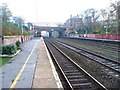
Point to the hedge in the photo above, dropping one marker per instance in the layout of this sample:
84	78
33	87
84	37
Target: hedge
11	49
18	44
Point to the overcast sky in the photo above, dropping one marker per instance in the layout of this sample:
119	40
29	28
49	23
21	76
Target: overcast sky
52	10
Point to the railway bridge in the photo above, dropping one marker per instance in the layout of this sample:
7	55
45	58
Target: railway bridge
50	29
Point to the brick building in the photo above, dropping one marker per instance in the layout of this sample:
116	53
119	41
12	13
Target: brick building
73	24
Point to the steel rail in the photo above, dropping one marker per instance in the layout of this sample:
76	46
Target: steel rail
75	75
112	64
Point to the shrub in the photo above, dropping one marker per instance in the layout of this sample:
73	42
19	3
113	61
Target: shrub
9	49
18	44
25	33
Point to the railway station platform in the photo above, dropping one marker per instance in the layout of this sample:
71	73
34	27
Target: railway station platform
96	39
45	73
31	68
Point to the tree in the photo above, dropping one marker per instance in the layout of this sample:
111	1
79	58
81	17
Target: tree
118	10
110	17
5	12
90	17
19	21
82	26
30	25
105	14
0	26
92	13
105	19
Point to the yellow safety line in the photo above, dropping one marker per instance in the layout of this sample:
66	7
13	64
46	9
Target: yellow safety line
22	69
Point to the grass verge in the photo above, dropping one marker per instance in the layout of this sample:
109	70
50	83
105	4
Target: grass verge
4	60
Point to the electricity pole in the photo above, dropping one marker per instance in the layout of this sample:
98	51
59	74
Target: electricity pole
118	17
22	32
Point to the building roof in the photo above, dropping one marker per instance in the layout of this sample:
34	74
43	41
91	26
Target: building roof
75	17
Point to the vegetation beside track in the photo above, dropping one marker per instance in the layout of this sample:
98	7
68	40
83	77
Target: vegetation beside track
4	60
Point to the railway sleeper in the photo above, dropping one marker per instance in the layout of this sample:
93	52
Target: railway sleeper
68	71
68	66
72	74
114	65
75	77
65	64
85	86
75	81
78	79
117	67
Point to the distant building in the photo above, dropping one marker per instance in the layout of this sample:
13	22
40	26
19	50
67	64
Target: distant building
61	25
73	24
55	34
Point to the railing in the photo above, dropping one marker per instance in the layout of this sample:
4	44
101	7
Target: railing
113	37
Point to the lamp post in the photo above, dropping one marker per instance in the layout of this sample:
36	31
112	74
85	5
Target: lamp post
118	10
21	32
85	32
33	29
106	30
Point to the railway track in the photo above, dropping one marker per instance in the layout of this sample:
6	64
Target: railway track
103	45
114	46
76	77
110	50
107	62
106	46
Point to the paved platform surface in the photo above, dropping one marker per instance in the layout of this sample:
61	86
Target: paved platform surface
45	74
11	70
110	40
31	68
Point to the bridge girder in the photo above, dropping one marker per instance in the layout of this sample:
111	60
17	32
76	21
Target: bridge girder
49	29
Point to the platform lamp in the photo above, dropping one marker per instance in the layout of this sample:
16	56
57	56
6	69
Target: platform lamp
21	32
118	17
106	30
